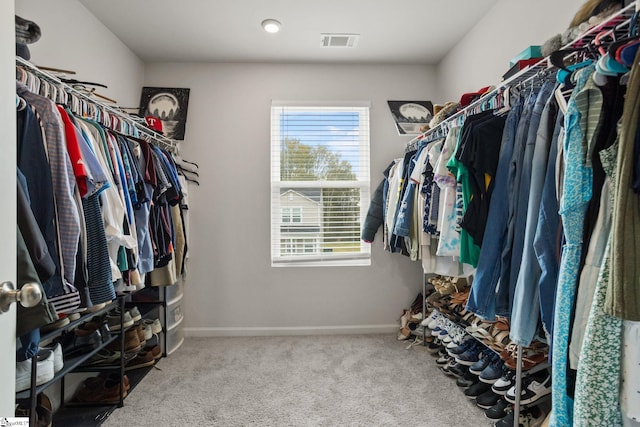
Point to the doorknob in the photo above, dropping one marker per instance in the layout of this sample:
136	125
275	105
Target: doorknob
29	295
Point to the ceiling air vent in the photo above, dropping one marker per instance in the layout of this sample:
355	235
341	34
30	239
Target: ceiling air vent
339	40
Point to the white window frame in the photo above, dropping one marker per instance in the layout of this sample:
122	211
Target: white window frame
291	216
363	256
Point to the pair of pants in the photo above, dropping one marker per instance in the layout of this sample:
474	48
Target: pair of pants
525	311
506	288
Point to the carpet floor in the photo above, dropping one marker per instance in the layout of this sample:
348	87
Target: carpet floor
364	380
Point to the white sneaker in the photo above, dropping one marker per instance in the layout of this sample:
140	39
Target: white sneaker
58	361
44	370
532	390
155	325
433	316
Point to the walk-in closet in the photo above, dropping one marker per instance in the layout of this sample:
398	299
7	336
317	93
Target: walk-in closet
278	213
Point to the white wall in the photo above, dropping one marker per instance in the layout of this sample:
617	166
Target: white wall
231	287
73	39
482	57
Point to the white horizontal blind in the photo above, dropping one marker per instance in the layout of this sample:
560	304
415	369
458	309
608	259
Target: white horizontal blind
319	184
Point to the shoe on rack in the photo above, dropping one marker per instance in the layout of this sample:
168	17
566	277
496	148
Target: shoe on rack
467	380
103	357
533	388
470	356
101	390
44	370
459	340
142	359
44	410
79	341
506	381
458	370
499	410
443	360
131	342
529	417
487	399
135	314
486	358
113	321
155	325
154	350
476	390
493	372
431	317
100	324
466	345
434	347
58	359
403	333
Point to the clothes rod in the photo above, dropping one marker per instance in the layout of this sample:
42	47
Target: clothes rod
611	24
167	143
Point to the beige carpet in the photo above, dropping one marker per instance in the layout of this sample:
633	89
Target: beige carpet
365	380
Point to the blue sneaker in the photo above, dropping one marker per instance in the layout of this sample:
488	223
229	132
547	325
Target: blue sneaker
485	359
462	347
470	356
493	372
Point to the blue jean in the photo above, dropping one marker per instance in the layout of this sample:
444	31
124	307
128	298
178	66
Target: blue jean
482	298
547	239
526	311
515	224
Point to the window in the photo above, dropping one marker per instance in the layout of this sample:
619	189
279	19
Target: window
291	214
319	184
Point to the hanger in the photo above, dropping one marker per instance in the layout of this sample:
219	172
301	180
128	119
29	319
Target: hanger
21	104
191	163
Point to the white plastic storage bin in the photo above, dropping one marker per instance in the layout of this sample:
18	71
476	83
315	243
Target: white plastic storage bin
174	313
174	337
173	292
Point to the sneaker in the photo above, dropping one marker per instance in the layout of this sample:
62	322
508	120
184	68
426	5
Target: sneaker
443	360
470	356
499	410
458	370
446	368
142	359
476	390
433	316
530	417
58	360
44	370
486	358
434	347
156	327
506	381
533	388
462	338
487	399
467	380
135	314
113	320
435	321
462	347
493	372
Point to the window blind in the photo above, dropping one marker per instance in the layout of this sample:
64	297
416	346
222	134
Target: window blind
320	187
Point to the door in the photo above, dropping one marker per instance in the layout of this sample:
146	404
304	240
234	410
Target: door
8	206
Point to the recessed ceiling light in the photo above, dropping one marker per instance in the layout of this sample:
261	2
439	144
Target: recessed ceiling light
271	25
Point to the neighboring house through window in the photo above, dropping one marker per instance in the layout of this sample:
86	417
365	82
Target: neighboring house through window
319	184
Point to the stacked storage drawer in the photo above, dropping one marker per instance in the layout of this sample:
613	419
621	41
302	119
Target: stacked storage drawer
172	316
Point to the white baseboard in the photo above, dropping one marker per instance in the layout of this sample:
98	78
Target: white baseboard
281	331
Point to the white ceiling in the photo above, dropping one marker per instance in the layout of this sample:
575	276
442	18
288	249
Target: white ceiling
399	31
